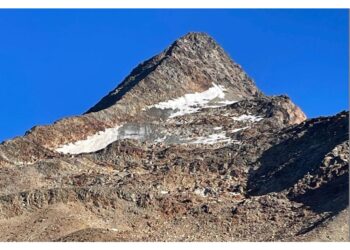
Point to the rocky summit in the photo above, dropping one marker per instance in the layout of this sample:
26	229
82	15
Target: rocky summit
185	148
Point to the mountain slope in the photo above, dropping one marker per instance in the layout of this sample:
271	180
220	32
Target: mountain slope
186	148
190	64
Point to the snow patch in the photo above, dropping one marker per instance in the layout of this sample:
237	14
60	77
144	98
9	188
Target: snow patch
213	138
191	103
251	118
160	139
238	129
221	104
92	143
200	192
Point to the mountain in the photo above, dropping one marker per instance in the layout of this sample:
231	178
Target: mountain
185	148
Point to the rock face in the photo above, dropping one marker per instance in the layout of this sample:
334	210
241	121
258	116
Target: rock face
191	64
186	148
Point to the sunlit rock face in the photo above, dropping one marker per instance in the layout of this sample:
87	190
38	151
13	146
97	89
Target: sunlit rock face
186	148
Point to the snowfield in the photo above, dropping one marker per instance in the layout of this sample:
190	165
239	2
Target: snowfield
191	103
187	104
92	143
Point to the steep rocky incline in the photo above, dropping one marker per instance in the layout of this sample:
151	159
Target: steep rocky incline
192	64
186	148
277	184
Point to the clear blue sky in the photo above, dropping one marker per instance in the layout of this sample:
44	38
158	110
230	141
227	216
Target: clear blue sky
57	63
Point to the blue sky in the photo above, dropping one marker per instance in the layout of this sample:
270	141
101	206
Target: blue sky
58	63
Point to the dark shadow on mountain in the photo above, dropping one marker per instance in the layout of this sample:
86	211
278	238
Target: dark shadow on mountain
315	224
302	152
331	197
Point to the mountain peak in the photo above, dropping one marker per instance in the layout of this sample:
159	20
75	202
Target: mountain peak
190	64
196	35
186	133
194	38
196	42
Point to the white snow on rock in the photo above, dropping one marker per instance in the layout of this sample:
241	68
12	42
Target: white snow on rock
92	143
200	192
213	138
217	128
251	118
220	103
238	129
162	139
191	103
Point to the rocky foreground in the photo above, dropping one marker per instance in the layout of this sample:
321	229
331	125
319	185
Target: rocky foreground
185	149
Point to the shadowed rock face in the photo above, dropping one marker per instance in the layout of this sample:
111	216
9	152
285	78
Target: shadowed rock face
186	148
311	161
300	152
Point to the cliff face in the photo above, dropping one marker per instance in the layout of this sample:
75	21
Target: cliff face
185	148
